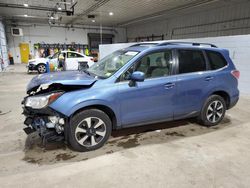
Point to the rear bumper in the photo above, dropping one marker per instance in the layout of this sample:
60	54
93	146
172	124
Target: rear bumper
234	100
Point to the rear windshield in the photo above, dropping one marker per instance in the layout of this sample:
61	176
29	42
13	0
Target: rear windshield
216	60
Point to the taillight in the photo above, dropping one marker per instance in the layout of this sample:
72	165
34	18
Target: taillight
236	74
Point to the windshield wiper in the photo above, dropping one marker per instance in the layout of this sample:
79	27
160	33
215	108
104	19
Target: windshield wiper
93	74
89	73
85	71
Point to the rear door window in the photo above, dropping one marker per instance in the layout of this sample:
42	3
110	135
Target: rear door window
216	60
191	61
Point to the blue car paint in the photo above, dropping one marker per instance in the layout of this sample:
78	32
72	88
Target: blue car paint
148	101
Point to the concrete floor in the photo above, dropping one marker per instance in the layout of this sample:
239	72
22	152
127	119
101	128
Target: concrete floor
185	155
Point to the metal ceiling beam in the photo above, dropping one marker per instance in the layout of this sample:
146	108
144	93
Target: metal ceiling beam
31	7
166	12
87	27
95	6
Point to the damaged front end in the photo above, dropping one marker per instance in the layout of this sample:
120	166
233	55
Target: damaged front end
43	91
49	124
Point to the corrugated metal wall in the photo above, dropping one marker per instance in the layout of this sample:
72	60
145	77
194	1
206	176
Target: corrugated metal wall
233	19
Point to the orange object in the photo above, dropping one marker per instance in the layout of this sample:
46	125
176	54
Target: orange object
51	67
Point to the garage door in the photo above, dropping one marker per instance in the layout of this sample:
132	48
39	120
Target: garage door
3	46
95	40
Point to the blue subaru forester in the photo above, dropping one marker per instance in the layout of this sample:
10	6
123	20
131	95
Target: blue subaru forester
142	84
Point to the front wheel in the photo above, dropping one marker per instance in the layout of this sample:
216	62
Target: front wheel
213	111
89	130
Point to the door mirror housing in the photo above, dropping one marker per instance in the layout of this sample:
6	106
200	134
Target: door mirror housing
136	76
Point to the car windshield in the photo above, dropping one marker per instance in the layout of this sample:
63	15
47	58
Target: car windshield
112	63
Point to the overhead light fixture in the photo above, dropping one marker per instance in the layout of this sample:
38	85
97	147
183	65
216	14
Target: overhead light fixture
111	13
93	21
25	15
25	4
59	8
51	17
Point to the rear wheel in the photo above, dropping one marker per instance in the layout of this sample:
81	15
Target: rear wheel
213	111
41	68
89	130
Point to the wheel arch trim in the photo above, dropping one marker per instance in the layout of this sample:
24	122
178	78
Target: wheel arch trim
224	94
101	105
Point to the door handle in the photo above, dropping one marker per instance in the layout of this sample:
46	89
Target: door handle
209	78
169	85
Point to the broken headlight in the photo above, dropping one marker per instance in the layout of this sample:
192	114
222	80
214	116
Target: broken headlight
38	102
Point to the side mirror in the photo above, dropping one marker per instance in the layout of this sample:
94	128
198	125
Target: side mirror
136	76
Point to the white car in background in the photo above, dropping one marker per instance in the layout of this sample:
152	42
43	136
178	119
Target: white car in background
71	62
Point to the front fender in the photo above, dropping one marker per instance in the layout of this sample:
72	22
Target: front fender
71	102
93	102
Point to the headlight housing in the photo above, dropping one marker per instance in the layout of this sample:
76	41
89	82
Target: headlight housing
38	102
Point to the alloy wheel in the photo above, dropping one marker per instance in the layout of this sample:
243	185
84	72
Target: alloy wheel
90	131
215	111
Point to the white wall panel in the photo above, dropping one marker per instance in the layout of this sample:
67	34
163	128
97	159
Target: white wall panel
46	34
3	47
106	49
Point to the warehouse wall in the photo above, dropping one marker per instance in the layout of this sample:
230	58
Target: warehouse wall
223	20
45	34
230	21
3	47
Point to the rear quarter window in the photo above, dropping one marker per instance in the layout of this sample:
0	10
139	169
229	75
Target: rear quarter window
216	60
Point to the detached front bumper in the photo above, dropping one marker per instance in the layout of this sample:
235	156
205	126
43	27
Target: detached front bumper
49	124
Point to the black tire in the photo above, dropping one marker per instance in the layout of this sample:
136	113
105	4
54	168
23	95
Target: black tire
41	68
213	111
89	137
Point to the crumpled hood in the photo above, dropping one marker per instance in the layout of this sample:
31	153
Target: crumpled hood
65	78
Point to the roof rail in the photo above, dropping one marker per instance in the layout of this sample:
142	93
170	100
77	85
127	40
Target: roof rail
145	44
191	43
